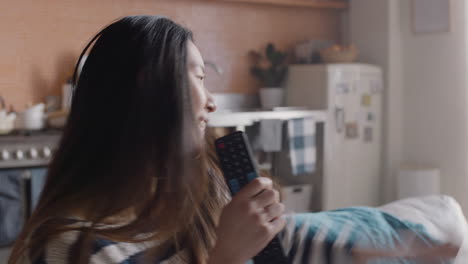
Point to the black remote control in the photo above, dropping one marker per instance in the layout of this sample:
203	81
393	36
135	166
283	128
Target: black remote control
239	168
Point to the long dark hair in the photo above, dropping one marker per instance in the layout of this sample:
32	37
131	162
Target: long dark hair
131	144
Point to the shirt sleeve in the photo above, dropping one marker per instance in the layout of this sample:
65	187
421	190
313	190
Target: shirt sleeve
57	250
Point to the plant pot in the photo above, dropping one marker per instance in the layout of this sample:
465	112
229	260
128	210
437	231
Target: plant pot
271	97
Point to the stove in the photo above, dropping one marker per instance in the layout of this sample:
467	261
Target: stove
24	157
28	149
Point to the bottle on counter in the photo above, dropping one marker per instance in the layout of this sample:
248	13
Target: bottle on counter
67	94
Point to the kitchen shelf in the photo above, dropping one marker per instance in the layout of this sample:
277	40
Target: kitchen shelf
295	3
248	118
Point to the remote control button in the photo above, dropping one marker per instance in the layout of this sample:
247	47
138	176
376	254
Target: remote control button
234	184
221	145
251	175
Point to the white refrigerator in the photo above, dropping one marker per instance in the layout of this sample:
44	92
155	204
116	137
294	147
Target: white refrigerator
351	94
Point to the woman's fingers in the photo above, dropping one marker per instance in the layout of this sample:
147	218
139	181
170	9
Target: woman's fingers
274	211
278	224
262	199
250	220
254	187
266	198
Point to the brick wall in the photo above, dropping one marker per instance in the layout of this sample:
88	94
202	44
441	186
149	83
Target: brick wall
41	39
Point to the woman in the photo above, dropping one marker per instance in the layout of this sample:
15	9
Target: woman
135	180
132	164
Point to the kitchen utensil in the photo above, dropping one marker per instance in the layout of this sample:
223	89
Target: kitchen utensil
32	118
57	119
7	120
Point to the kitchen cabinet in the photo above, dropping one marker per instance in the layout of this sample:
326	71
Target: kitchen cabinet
339	5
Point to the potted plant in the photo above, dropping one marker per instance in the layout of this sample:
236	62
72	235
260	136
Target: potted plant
270	69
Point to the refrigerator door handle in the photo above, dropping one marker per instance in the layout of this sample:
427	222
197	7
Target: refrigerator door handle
339	119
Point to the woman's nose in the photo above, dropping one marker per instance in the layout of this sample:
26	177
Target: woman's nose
210	104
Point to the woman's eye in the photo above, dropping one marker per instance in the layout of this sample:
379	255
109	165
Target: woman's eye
201	77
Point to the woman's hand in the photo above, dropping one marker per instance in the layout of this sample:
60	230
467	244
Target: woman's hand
251	220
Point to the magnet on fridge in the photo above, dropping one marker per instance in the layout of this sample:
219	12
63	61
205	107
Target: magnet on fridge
342	88
366	100
352	130
368	134
370	116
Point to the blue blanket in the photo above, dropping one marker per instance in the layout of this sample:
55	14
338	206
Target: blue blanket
328	237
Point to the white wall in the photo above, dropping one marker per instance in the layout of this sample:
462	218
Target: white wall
375	29
426	104
435	100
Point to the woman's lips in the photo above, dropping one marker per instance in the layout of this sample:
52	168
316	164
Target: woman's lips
203	122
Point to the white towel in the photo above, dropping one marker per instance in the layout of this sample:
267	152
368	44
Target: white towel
270	135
